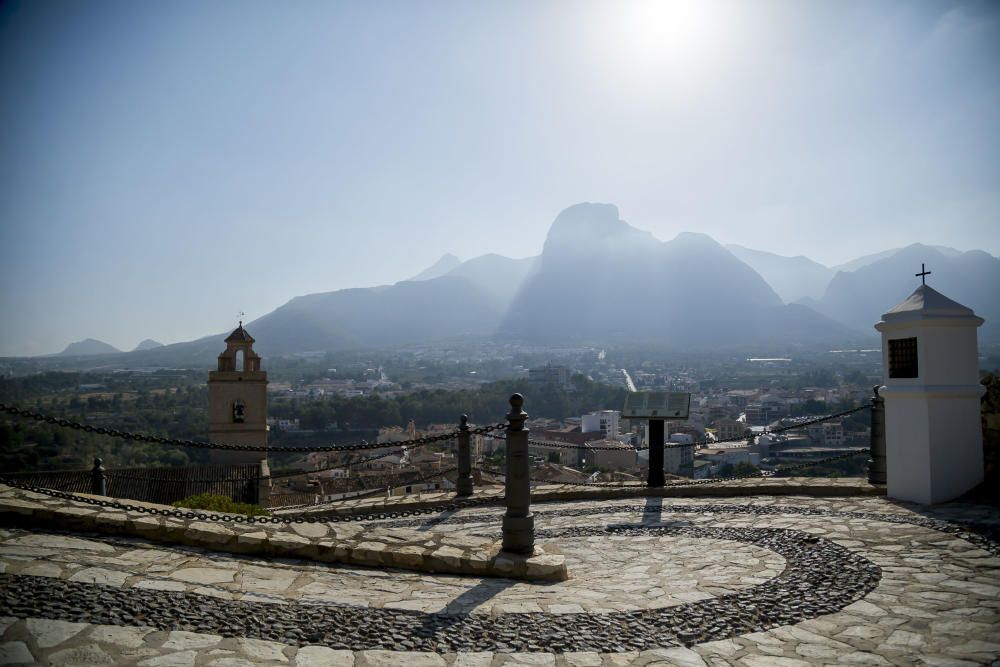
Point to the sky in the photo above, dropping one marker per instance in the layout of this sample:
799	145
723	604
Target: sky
167	166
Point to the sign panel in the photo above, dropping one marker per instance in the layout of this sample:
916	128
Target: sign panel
657	405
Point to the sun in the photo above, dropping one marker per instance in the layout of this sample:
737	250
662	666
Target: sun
664	31
672	38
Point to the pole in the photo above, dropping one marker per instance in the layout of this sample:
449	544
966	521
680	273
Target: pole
876	464
656	438
463	486
518	522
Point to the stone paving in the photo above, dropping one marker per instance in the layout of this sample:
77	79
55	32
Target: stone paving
315	539
653	581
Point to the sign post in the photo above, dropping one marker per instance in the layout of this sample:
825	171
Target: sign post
657	407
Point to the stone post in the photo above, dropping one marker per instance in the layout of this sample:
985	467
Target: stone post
518	522
876	464
655	478
464	483
98	479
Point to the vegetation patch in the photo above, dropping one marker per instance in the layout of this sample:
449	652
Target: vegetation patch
216	503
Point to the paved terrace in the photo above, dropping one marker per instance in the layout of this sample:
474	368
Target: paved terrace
766	576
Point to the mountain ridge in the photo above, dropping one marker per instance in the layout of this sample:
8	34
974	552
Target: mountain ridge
600	279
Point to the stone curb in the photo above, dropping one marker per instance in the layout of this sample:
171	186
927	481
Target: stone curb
351	544
816	487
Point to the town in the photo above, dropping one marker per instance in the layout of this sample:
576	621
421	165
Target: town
578	434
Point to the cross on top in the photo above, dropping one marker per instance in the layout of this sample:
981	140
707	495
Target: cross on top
242	315
923	274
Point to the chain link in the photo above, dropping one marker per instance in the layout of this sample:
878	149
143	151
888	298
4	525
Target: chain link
700	482
701	443
369	515
142	437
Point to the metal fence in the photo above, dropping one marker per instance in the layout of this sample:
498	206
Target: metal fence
241	482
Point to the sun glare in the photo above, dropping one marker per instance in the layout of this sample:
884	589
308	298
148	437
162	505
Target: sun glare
673	38
666	30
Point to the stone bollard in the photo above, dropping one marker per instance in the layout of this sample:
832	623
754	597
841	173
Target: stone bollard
98	479
518	522
876	464
463	486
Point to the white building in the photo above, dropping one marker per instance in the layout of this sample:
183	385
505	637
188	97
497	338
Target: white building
830	434
605	422
934	447
679	460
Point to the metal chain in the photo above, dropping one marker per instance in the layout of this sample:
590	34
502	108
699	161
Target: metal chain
315	509
818	420
700	482
111	474
706	443
226	518
454	505
141	437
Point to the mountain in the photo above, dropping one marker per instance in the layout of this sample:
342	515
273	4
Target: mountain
867	260
599	279
793	278
87	347
858	298
438	268
501	277
148	344
470	299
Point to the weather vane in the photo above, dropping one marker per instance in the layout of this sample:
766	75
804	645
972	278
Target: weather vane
923	274
242	315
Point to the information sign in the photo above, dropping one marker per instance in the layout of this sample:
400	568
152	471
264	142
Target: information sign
657	405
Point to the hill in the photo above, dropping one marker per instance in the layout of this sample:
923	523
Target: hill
858	298
88	347
793	278
438	268
599	280
148	344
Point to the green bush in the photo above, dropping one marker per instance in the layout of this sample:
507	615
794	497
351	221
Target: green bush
216	503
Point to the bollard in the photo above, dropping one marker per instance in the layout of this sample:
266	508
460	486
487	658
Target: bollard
876	464
655	479
518	522
98	479
463	486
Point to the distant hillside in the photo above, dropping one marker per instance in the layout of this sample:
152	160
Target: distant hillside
438	268
868	260
148	344
793	278
600	279
500	277
88	346
859	298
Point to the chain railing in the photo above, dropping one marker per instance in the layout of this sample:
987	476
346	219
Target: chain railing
318	514
196	444
756	474
323	517
555	444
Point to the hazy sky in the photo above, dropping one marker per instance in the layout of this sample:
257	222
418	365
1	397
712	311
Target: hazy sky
166	165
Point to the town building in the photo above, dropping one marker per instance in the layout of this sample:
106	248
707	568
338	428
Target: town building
605	422
729	429
557	376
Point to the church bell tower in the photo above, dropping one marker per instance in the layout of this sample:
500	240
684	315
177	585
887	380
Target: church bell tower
237	400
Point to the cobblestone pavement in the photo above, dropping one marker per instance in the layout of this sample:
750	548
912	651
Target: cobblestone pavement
766	581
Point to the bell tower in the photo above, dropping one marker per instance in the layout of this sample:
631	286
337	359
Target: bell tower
237	400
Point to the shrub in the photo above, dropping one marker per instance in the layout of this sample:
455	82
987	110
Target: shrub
217	503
